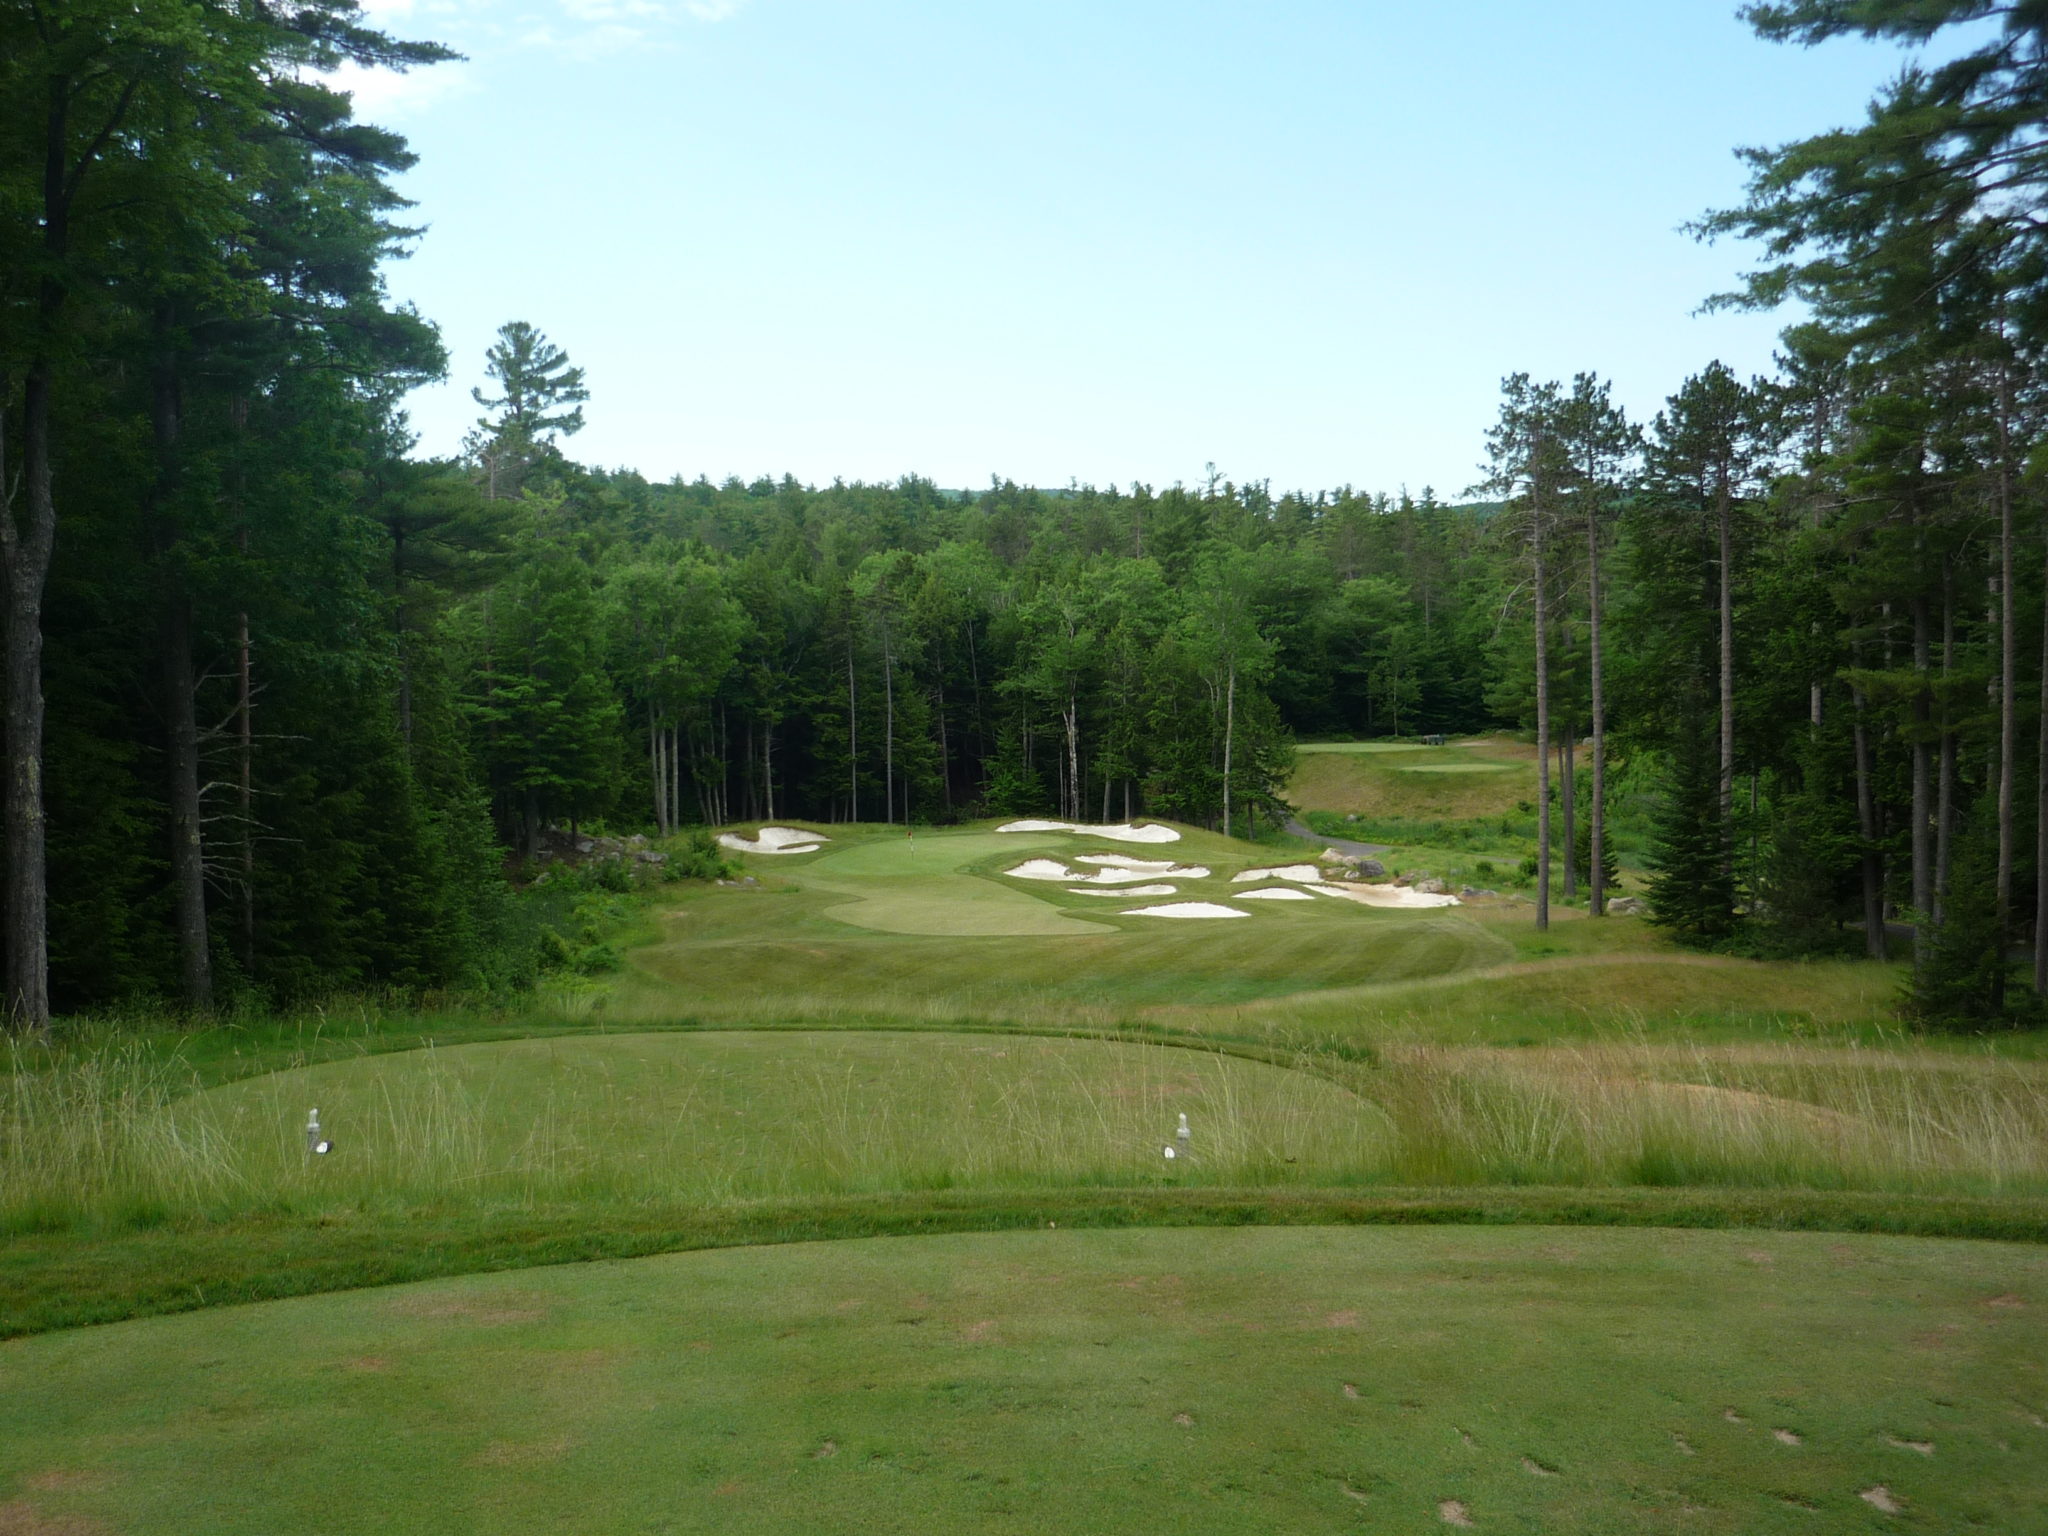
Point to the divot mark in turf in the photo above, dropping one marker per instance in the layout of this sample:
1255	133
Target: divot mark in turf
1924	1447
515	1453
1880	1499
1684	1445
1536	1468
59	1481
18	1517
1341	1320
1787	1437
1350	1391
826	1450
1464	1435
2007	1300
459	1309
1732	1416
1184	1420
1453	1512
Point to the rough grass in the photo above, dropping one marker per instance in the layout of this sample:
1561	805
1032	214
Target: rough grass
1193	1381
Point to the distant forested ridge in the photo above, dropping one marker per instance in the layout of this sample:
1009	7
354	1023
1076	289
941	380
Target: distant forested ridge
285	705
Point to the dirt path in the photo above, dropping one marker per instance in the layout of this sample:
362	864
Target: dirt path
1342	845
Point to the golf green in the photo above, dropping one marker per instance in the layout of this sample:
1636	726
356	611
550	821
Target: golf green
1185	1381
916	887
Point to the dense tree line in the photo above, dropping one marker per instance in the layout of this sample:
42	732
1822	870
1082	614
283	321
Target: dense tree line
284	705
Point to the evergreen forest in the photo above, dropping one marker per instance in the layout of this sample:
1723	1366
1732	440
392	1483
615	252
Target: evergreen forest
291	711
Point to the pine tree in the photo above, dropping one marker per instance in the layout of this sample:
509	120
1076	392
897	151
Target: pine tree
1691	891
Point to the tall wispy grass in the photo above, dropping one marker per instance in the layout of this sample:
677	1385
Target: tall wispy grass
121	1135
1759	1116
118	1136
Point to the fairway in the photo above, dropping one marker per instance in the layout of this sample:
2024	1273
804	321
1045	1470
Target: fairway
1209	1381
1478	777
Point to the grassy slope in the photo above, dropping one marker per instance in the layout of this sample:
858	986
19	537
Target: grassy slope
1591	1060
746	1115
1225	1381
1479	777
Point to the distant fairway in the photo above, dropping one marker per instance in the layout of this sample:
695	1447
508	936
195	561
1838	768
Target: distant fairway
935	929
1368	747
1141	1382
1482	777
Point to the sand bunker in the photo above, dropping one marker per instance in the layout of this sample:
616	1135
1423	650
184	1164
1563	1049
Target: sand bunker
1385	895
1126	891
1053	869
1307	874
1186	909
1274	893
1125	861
1123	832
775	840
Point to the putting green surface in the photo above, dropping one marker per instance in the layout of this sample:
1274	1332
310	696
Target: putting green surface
720	1116
915	886
1225	1381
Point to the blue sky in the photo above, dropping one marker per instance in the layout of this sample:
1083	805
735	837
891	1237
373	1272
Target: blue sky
1108	241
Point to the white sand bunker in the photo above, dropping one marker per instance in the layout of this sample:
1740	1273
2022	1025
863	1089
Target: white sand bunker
1305	874
1126	891
1053	869
1385	895
1186	909
1125	861
1123	832
775	840
1274	893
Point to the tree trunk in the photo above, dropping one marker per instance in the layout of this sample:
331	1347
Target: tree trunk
1229	736
768	763
1945	763
852	740
188	848
1567	790
181	723
1923	786
1073	723
2041	819
1866	823
245	788
2008	674
888	735
1542	705
1596	813
1727	605
659	772
25	549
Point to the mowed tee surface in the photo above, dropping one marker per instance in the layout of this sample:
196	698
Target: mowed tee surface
1186	1381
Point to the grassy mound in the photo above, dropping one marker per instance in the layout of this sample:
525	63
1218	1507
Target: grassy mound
1190	1381
701	1118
